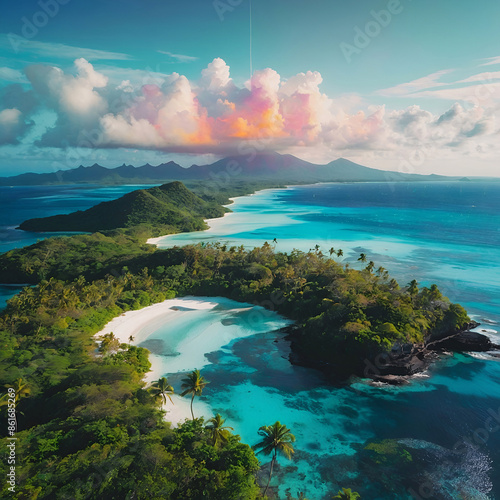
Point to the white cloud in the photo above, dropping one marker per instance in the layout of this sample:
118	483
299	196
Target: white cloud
72	95
482	77
486	90
11	125
480	94
12	75
426	82
181	58
491	61
305	83
213	115
216	75
56	50
76	99
136	77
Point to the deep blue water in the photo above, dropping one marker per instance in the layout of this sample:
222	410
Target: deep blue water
447	234
19	203
435	233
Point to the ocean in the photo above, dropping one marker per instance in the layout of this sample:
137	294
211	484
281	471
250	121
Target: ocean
443	233
19	203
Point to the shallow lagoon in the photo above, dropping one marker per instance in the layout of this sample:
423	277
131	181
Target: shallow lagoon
448	234
252	384
440	233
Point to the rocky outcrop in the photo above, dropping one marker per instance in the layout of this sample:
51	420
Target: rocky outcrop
406	360
402	361
465	341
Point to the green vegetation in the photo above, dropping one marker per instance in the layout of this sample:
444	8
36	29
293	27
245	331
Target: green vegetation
347	494
220	433
223	189
162	390
91	429
86	426
342	315
167	209
193	384
276	438
65	258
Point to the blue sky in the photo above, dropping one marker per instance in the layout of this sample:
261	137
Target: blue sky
399	84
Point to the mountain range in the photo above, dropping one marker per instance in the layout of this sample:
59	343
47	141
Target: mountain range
260	166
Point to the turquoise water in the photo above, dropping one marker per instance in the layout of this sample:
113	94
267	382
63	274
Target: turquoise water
432	232
443	233
252	384
448	234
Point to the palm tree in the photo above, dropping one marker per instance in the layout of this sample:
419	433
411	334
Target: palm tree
109	343
218	431
370	266
393	284
193	384
331	251
21	388
362	257
413	287
347	494
340	252
276	438
162	390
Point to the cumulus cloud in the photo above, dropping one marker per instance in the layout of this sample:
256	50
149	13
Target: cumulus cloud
214	115
216	75
11	125
16	105
75	99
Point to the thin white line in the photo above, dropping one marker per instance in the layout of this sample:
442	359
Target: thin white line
251	70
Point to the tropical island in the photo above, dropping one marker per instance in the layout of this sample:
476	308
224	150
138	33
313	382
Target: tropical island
91	430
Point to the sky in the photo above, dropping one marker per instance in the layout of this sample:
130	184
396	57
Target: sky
404	85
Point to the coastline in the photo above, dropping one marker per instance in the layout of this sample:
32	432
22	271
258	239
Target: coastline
140	324
192	336
212	223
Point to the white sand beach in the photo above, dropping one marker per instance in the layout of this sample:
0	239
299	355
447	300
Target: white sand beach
140	324
212	223
193	334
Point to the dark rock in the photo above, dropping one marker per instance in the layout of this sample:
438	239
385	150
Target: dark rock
404	364
463	342
390	379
